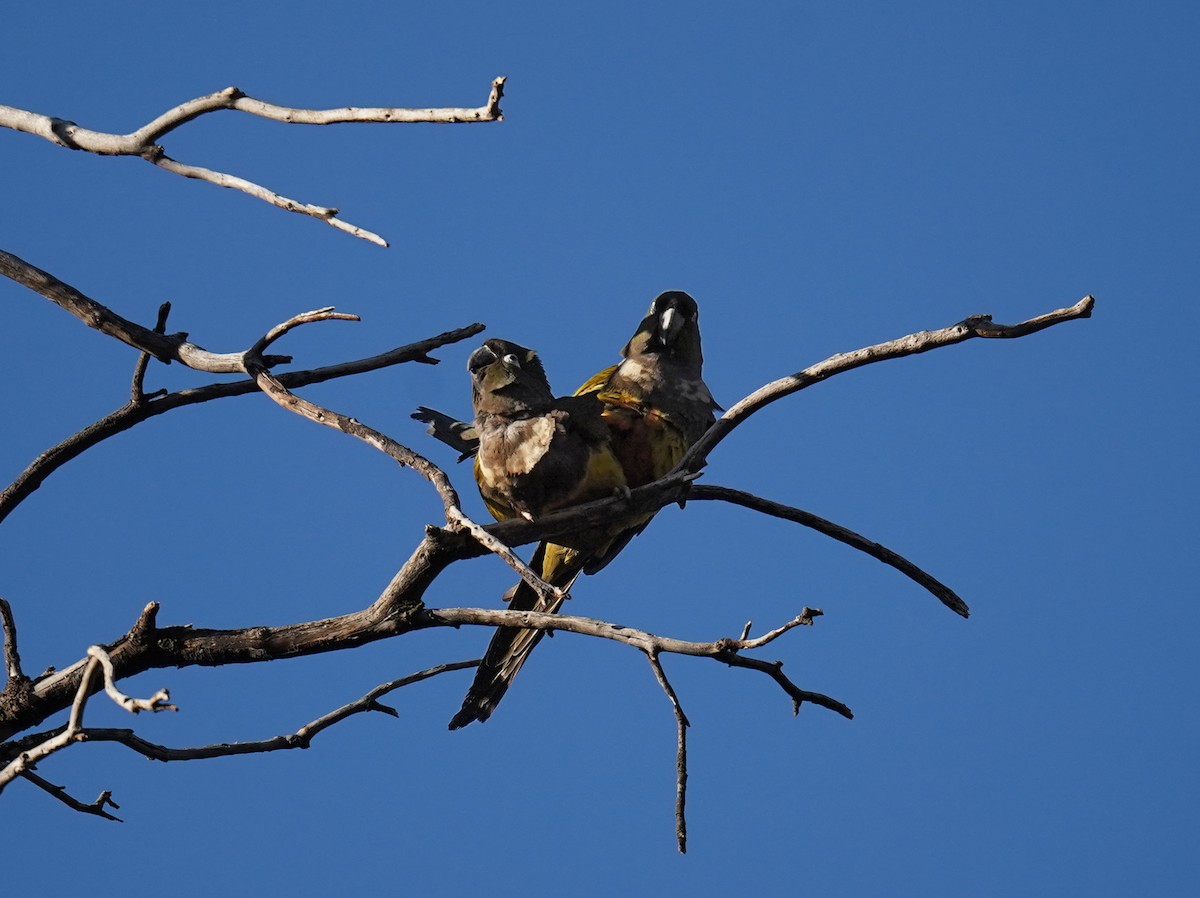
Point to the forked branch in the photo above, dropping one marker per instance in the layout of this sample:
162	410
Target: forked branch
257	367
143	142
166	348
73	731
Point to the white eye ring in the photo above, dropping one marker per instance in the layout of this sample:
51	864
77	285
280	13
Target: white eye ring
510	361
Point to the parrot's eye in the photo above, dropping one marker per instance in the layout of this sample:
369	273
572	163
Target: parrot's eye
511	361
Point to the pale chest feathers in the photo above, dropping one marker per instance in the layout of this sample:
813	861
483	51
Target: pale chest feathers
535	465
515	449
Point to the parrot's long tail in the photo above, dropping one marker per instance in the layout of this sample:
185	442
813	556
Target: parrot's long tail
510	646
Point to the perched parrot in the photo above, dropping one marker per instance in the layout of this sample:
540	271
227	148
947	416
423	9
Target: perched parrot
655	405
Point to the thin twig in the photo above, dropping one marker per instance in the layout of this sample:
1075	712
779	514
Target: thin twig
944	593
12	657
136	393
301	738
275	389
324	314
681	724
60	792
160	701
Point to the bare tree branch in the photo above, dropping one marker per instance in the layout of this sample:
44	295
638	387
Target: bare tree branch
12	658
98	659
944	593
726	650
164	347
913	344
301	738
60	792
143	141
29	757
303	407
160	701
681	727
134	413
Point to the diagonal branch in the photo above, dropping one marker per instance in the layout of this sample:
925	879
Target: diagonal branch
552	595
944	593
142	142
257	368
913	344
301	738
60	792
164	347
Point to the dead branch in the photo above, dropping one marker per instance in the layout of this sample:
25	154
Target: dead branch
12	658
913	344
60	792
944	593
143	142
681	728
73	732
301	738
257	368
134	413
137	393
549	593
727	651
160	701
164	347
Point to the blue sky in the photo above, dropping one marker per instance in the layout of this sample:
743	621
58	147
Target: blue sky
820	176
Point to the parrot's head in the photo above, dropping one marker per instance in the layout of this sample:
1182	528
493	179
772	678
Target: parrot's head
506	378
670	330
